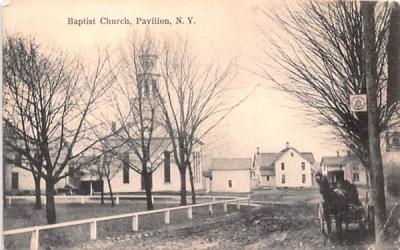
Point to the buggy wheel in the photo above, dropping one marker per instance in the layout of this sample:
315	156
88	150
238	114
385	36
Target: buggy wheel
362	225
322	222
370	221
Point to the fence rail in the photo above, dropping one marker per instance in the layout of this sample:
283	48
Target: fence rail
34	242
82	198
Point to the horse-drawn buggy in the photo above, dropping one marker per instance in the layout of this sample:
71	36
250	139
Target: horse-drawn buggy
340	205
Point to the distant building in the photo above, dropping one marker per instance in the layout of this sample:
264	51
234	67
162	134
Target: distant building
288	168
348	167
229	175
16	179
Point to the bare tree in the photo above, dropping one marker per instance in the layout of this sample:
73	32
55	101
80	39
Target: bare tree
109	167
138	111
100	174
193	102
393	51
57	96
20	145
322	52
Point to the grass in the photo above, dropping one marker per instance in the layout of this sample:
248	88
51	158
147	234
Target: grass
285	195
23	215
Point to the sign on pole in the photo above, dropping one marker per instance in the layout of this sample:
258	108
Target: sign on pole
358	103
392	141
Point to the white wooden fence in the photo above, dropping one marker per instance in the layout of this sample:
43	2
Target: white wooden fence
78	198
34	242
83	198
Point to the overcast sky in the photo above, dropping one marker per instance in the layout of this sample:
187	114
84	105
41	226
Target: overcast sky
222	29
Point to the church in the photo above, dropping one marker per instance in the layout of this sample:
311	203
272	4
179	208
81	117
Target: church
139	134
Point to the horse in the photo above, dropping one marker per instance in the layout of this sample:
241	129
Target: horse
334	203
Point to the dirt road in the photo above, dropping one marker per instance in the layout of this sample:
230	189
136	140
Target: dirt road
267	227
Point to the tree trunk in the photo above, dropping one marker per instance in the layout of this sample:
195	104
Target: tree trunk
148	179
182	171
192	184
102	191
378	190
38	202
4	184
393	54
50	205
111	192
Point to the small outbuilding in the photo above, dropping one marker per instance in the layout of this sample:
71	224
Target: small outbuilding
230	175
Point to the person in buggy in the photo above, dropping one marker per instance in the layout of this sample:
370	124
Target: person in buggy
349	191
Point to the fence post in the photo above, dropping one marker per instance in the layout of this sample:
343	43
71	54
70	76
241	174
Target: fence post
214	198
210	209
117	199
35	240
93	230
9	201
238	205
82	200
190	213
135	223
225	207
166	217
248	201
152	199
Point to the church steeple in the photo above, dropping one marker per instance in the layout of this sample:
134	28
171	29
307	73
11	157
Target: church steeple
148	78
147	85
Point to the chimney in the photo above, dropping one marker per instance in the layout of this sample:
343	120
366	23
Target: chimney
113	127
287	144
337	152
258	150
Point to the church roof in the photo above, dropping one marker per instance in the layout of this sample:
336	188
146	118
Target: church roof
230	164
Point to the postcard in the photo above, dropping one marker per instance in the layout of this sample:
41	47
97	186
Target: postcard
200	124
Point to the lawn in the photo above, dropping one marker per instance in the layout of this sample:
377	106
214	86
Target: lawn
285	195
291	196
23	215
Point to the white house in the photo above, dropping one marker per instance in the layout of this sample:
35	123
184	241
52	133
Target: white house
348	167
229	175
288	168
18	180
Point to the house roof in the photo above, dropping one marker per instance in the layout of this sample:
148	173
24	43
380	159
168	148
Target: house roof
230	164
332	160
207	173
270	172
337	160
308	156
86	160
267	159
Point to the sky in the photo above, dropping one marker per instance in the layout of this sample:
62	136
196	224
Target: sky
222	30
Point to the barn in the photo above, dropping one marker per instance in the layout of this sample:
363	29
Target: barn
230	175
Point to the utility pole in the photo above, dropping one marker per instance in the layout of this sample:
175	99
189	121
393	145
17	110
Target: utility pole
378	190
